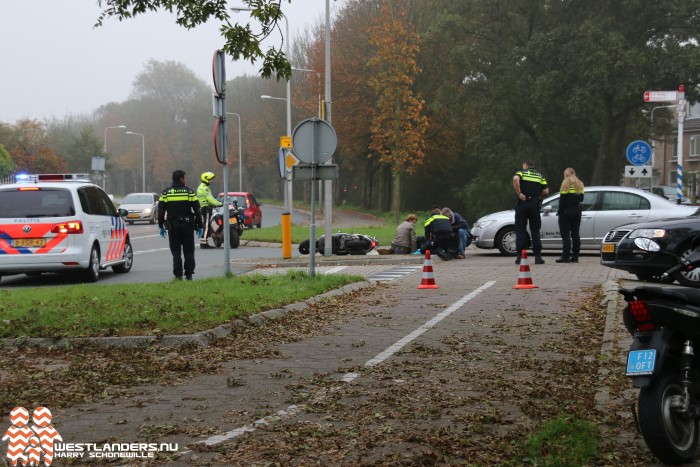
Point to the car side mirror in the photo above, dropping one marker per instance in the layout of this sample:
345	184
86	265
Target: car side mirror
122	212
547	210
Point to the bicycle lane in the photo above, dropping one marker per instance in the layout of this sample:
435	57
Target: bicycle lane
273	386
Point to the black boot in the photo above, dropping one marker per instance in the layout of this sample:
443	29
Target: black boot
563	259
538	259
574	259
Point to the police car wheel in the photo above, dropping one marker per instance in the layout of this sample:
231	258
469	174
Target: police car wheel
92	273
128	258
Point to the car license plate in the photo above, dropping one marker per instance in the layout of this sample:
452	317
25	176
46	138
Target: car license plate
232	220
133	216
641	362
30	242
608	248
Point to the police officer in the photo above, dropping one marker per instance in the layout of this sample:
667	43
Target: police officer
183	219
530	186
438	234
206	202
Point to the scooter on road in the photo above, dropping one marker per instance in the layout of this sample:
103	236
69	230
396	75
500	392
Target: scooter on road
665	325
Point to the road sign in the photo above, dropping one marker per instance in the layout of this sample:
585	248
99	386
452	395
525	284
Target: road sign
314	141
660	96
638	171
315	172
638	152
286	142
286	160
220	140
218	69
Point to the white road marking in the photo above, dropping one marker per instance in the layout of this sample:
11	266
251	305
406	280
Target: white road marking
294	409
150	251
382	356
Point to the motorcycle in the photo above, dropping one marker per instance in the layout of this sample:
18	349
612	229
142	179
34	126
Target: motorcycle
236	221
665	325
342	244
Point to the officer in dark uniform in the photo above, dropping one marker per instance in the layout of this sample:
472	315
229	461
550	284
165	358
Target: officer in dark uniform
439	235
530	186
183	219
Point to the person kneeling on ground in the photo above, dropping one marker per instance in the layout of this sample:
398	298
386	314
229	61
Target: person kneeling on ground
404	242
461	231
439	235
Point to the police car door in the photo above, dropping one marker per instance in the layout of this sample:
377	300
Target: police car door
105	224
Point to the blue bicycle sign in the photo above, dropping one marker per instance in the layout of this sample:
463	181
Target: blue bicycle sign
639	152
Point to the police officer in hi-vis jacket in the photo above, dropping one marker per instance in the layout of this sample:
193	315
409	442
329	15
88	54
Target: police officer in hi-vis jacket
530	186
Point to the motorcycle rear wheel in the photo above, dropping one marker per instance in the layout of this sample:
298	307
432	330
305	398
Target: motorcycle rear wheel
304	247
671	436
235	238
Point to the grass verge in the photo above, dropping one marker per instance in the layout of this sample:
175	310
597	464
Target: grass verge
153	309
562	441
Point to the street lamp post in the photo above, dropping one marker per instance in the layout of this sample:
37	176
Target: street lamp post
653	140
288	198
318	76
143	158
328	184
104	182
240	153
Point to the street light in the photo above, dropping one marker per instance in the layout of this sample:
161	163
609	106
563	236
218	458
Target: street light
318	76
288	198
240	153
120	126
104	177
143	158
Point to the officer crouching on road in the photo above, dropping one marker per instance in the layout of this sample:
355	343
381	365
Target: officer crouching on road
183	219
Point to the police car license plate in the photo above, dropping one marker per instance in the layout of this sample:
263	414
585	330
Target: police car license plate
29	242
641	362
232	220
608	248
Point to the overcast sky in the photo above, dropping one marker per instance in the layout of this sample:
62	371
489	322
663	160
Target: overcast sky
53	63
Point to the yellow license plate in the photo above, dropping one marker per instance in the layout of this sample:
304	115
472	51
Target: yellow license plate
30	242
608	248
132	216
232	220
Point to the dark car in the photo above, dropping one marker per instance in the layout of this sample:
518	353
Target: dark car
246	200
648	249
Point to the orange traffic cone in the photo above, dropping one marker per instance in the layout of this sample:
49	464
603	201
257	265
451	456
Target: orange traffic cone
427	280
524	277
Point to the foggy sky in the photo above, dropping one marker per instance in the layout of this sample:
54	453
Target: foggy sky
54	63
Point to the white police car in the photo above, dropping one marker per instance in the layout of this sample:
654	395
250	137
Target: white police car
61	222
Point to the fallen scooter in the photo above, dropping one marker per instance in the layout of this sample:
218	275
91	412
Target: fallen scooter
342	244
665	324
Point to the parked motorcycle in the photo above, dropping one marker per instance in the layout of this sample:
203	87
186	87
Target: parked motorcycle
342	244
665	324
236	225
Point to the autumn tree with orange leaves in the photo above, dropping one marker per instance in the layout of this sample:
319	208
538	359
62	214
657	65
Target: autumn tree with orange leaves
398	125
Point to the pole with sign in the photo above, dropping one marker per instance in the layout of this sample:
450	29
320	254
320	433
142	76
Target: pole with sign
681	118
220	142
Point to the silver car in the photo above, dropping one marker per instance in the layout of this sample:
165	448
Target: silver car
141	207
604	208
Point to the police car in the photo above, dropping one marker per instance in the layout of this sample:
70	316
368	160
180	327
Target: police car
61	222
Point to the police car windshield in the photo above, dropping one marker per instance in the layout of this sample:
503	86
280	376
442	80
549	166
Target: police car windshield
39	203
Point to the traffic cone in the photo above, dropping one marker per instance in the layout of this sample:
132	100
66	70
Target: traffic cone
524	277
427	280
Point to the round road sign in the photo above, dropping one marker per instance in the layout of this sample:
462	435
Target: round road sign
639	152
314	141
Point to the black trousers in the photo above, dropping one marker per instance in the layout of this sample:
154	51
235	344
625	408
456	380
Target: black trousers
181	237
528	212
569	226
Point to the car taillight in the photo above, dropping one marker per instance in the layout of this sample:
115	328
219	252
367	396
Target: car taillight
219	221
641	315
73	227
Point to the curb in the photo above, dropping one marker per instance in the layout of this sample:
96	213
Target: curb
199	339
